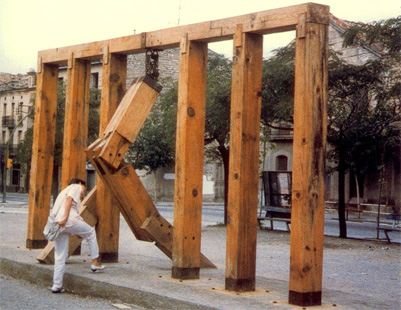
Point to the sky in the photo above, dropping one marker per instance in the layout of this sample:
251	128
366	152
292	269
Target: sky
29	26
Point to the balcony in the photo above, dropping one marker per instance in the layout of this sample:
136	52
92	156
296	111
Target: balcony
281	134
8	121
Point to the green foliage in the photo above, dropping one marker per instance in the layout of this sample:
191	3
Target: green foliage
154	147
94	121
278	87
24	152
386	33
363	105
218	99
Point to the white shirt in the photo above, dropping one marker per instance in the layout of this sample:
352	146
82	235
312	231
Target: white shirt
73	191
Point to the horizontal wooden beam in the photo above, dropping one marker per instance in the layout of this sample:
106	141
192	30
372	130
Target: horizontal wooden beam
265	22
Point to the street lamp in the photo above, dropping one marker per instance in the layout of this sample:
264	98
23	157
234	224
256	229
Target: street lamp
6	151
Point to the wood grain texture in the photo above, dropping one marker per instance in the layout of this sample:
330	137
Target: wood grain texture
42	155
307	228
189	155
244	161
76	121
114	76
264	22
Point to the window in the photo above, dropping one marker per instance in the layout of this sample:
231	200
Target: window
19	109
94	83
281	163
4	109
19	136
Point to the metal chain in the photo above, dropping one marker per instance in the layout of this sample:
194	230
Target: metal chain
152	63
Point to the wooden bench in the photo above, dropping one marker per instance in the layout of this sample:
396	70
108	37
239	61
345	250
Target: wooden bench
279	214
388	229
352	209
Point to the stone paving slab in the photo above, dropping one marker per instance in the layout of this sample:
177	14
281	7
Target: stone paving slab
357	274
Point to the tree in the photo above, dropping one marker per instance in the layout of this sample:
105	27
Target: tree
154	146
217	125
24	151
278	88
364	106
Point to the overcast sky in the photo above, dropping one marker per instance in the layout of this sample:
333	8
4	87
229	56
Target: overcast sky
29	26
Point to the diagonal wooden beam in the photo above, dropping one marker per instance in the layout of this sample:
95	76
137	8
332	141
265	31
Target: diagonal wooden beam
134	202
137	207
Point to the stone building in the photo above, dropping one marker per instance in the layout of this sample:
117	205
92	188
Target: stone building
16	96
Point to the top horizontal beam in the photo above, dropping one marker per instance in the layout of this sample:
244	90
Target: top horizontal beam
265	22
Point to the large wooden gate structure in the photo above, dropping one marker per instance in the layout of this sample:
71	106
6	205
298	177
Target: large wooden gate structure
306	258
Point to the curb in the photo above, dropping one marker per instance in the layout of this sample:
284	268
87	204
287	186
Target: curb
88	287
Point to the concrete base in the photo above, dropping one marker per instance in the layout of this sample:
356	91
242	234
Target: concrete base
305	299
109	257
240	285
185	273
36	244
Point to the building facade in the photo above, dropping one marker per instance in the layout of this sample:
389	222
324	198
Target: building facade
17	93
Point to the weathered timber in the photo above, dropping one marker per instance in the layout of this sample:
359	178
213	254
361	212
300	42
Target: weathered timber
306	254
244	162
122	130
270	21
189	160
87	212
114	76
311	21
76	113
134	203
162	231
42	155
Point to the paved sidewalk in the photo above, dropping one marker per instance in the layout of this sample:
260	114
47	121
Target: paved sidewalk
358	274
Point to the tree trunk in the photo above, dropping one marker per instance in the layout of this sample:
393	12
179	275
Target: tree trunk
341	198
225	155
27	177
55	184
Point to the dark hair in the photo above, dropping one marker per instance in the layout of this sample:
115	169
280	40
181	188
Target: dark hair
77	181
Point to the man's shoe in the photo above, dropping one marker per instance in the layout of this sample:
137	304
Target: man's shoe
95	268
57	290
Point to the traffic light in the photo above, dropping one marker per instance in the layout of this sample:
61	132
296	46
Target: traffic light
9	163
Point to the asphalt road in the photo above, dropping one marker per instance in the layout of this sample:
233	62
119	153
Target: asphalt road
213	214
18	294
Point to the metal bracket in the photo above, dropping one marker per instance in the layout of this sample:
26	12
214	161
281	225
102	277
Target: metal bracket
152	64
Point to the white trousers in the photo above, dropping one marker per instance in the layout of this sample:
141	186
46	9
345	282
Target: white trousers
84	231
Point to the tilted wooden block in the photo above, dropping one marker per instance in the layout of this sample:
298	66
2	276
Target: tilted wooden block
127	121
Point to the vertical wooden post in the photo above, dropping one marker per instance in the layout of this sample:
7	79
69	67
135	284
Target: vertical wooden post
244	161
114	77
76	121
307	228
42	154
189	160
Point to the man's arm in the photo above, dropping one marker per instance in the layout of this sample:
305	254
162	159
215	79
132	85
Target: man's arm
68	204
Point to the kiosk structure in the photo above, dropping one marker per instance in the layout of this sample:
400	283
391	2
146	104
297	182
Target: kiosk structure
104	204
